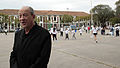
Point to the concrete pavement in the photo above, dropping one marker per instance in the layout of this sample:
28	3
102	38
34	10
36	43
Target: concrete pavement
80	53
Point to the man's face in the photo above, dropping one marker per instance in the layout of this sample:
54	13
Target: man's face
25	17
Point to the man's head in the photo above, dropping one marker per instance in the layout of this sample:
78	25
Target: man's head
26	17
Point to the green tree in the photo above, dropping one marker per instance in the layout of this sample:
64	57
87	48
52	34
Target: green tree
117	8
102	14
115	20
67	18
79	18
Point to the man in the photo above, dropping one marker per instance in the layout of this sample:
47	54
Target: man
117	31
32	44
66	34
61	31
73	34
95	31
5	31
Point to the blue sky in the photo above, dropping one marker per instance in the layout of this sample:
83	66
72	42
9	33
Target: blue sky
59	5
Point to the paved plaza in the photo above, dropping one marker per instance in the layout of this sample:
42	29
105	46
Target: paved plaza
82	52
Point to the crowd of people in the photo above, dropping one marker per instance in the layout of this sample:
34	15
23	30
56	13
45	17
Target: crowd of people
93	30
67	31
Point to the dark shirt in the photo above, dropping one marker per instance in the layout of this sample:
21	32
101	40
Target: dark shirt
31	50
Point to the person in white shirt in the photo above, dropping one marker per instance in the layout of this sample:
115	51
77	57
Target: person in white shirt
51	30
95	31
73	34
54	33
61	31
80	30
66	34
5	31
86	29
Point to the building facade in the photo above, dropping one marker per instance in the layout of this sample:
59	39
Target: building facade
45	18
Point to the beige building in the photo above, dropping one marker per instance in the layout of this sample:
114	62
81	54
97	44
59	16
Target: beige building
45	18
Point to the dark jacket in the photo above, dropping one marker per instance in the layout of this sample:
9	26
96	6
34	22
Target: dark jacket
31	50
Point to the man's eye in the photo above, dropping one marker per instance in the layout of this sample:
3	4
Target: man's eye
25	15
20	16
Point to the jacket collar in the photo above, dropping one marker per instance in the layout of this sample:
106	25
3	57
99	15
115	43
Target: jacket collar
30	32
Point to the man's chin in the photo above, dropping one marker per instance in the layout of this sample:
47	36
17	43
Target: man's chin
23	26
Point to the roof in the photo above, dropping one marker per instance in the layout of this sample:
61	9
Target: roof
45	12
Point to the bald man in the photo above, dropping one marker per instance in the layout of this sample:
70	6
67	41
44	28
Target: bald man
32	44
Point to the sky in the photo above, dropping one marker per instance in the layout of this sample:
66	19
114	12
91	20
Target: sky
56	5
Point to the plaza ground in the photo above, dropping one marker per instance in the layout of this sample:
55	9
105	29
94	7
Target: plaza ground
82	52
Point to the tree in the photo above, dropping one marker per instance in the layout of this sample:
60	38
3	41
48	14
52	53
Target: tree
115	20
67	18
102	14
79	18
118	8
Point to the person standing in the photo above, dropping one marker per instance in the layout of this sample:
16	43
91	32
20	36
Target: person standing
51	30
73	34
54	33
66	34
32	44
94	31
86	29
112	30
5	31
61	31
80	30
117	32
103	31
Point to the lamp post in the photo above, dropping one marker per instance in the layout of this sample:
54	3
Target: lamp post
91	14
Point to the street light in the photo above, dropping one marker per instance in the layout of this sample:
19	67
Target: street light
91	14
